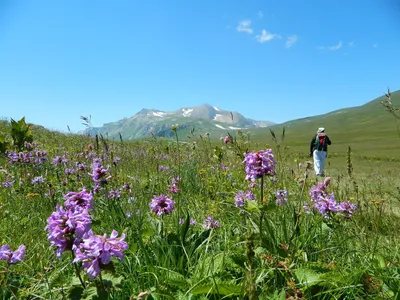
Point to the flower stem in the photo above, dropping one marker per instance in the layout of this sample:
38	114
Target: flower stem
77	272
261	203
102	282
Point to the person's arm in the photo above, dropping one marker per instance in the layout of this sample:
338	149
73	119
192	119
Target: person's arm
312	145
328	141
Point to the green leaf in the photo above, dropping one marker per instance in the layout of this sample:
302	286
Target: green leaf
268	207
308	277
185	227
75	292
252	206
219	289
90	293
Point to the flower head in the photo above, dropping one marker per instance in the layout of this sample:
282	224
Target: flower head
241	197
162	204
64	226
259	164
38	179
82	198
10	256
209	223
281	197
97	250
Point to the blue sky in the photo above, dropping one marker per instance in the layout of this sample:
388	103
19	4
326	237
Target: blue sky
269	60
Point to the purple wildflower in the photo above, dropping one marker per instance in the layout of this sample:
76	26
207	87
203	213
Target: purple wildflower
174	188
127	187
250	195
64	226
326	204
97	250
57	160
163	168
8	183
162	204
80	166
114	193
10	256
12	156
82	198
281	197
69	171
241	197
347	208
38	179
210	223
98	171
259	164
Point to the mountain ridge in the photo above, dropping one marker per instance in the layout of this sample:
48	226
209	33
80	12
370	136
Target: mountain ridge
151	121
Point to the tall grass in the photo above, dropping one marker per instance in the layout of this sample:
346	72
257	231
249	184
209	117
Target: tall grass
294	254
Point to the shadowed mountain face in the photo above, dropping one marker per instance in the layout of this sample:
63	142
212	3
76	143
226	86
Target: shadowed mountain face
201	119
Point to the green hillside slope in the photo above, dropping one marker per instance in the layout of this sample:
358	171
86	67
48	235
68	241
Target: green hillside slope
369	129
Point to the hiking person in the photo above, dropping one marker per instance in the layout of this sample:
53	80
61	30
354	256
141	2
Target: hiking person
319	150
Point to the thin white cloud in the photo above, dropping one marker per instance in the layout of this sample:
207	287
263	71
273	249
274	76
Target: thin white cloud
351	44
260	14
245	26
332	48
291	40
266	36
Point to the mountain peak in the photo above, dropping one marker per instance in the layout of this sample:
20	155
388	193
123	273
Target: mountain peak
203	117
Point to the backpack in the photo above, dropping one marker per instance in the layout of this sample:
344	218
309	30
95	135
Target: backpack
320	141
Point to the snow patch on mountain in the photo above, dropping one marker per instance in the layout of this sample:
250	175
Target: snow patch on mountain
186	112
219	126
159	114
217	116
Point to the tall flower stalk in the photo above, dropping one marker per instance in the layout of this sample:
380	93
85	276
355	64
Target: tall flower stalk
258	165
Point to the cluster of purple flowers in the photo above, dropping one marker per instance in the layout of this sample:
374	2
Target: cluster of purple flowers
162	205
191	221
281	197
209	223
65	226
38	180
98	171
259	164
83	199
325	203
174	188
114	193
8	183
241	197
96	250
57	160
80	166
32	156
69	228
69	171
163	168
12	257
41	156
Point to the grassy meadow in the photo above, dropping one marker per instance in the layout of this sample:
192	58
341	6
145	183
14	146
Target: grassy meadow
207	244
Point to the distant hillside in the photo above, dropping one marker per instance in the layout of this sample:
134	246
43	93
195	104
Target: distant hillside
200	119
367	128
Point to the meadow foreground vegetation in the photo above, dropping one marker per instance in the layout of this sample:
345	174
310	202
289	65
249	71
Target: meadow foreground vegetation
87	218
